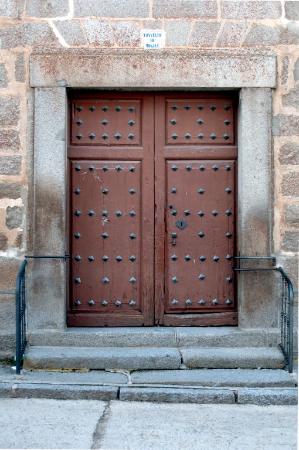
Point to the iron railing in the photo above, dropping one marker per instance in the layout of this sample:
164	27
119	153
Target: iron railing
286	306
21	338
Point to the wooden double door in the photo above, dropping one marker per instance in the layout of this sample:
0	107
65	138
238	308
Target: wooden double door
152	212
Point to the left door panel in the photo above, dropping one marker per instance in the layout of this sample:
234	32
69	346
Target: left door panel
111	210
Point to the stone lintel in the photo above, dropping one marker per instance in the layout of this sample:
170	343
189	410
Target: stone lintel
159	69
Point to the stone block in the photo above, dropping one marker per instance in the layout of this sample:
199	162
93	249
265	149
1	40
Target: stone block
263	35
251	9
9	110
296	70
102	358
109	34
111	8
10	190
292	98
292	10
170	67
290	241
8	268
64	392
3	76
285	125
204	34
232	34
7	313
289	153
284	75
3	241
49	8
290	265
292	215
215	377
14	217
20	68
290	34
230	358
71	32
185	8
18	242
10	165
9	8
28	34
290	184
92	377
176	395
177	33
268	396
9	140
7	343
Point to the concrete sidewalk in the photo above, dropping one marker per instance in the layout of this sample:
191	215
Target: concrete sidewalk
85	424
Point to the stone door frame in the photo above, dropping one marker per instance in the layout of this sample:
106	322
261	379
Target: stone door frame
52	72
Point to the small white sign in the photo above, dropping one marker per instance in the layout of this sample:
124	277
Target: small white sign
152	39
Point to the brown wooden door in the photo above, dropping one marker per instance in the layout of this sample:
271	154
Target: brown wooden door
129	190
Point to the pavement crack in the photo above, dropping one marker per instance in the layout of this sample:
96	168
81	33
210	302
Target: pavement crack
99	432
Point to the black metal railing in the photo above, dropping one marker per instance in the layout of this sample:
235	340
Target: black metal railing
286	305
21	338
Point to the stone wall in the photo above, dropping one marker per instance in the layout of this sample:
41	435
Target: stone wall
32	24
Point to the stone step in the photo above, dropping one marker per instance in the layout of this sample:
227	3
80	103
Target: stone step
157	337
140	358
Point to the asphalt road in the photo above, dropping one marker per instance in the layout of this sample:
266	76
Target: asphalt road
85	424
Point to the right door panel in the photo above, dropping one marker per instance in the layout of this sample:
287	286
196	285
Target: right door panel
195	210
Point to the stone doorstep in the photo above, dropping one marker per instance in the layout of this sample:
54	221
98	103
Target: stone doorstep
157	337
257	396
138	358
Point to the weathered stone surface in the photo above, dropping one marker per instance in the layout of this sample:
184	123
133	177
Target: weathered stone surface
10	190
262	35
215	377
3	241
7	313
49	8
285	125
290	242
176	395
226	358
177	32
9	110
289	153
292	10
20	68
284	70
111	8
3	76
71	31
268	396
9	140
204	34
292	98
10	165
290	34
64	392
296	70
14	217
107	337
185	8
108	34
290	184
292	215
8	268
9	8
18	242
232	34
251	9
102	358
176	68
28	34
